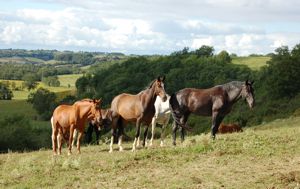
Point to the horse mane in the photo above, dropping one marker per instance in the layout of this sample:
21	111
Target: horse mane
232	85
86	100
150	85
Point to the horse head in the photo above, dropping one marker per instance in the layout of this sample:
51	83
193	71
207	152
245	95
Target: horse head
160	88
248	93
96	112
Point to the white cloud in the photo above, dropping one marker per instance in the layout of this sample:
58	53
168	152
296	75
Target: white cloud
156	26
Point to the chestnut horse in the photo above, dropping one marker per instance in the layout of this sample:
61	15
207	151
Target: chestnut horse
137	108
216	102
66	118
105	124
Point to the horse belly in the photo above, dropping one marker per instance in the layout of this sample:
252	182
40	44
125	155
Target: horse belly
203	110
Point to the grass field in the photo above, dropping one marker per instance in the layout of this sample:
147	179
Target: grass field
266	156
254	63
68	80
67	85
13	107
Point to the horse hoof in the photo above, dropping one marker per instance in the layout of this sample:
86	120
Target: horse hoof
121	150
110	151
133	150
174	143
69	153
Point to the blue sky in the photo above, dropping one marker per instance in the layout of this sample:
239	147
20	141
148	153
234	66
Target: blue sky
150	26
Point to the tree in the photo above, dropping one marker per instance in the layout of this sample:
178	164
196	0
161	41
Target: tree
282	76
30	81
5	92
224	56
43	101
205	51
51	81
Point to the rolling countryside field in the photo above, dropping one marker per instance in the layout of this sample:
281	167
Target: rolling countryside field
255	63
265	156
67	84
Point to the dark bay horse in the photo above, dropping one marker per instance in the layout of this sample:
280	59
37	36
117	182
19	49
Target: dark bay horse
216	102
66	118
137	108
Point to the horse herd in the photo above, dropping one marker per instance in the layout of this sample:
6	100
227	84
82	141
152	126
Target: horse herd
152	105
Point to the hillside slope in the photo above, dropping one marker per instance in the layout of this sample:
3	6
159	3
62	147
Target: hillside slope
267	156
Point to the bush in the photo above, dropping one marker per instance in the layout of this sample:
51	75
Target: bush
17	134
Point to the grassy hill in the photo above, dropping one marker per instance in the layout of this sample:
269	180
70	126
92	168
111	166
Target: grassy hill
67	86
266	156
253	62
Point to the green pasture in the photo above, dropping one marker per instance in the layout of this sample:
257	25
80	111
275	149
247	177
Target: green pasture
67	86
68	80
266	156
255	63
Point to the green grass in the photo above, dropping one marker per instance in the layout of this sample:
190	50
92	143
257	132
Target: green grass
267	156
66	80
67	86
13	107
255	63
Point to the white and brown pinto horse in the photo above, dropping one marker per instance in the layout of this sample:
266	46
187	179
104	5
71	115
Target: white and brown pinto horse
137	108
162	117
67	118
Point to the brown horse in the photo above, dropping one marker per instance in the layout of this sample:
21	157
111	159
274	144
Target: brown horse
216	102
66	118
135	108
229	128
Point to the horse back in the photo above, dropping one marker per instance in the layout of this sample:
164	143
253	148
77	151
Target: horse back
199	101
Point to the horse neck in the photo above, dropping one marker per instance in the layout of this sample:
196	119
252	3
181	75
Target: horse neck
234	94
84	110
149	96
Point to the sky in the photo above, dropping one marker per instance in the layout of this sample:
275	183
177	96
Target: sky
148	27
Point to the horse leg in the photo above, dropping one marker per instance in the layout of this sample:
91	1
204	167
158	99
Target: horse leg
54	139
89	133
182	133
120	134
216	120
174	130
153	129
163	130
71	139
138	141
74	137
59	140
78	140
97	135
113	133
183	122
145	135
137	134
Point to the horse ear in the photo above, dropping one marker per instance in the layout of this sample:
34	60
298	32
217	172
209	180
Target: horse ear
163	78
247	82
100	100
252	82
94	101
158	78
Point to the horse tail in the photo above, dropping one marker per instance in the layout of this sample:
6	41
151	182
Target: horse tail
174	109
176	114
52	124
